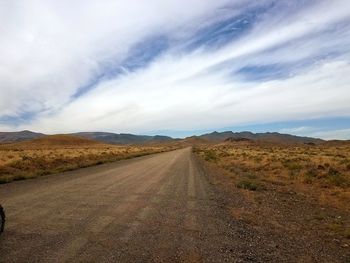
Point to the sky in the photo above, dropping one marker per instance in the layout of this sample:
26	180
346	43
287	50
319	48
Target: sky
176	67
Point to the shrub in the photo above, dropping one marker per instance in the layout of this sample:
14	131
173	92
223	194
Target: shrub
333	172
310	175
248	185
321	167
211	156
339	180
348	167
250	176
334	177
292	165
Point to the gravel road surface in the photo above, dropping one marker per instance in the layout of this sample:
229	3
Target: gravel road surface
157	208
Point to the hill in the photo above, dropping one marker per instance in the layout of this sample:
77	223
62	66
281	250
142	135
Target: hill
123	138
194	140
62	140
6	137
53	141
273	137
105	137
214	137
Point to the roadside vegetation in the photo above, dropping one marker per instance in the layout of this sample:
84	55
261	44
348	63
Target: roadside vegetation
291	187
60	153
322	168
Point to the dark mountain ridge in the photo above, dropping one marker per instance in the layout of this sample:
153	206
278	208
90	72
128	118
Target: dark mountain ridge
123	138
19	136
214	137
273	137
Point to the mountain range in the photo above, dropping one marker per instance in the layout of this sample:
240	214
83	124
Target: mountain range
273	137
19	136
123	138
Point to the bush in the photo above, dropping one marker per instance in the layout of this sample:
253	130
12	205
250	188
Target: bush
310	175
348	167
248	185
211	156
333	172
339	181
335	178
292	165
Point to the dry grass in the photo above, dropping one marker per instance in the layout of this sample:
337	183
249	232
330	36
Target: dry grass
322	170
286	189
56	154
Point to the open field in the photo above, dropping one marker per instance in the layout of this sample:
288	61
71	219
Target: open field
292	189
166	207
59	153
321	169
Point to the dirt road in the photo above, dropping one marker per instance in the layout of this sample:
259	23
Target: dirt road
158	208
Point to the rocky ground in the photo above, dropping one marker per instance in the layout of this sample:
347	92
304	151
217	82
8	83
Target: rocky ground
278	224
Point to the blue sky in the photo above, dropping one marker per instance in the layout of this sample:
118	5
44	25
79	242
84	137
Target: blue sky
176	67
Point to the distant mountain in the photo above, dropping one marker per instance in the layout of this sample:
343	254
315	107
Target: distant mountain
123	138
273	137
52	141
105	137
19	136
193	140
232	139
62	140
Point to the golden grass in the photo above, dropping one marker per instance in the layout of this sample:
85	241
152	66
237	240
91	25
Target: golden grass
56	154
322	170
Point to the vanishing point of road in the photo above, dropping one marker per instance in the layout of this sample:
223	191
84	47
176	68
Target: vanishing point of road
156	208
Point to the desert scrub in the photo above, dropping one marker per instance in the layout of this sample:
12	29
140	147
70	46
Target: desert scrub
30	163
322	170
292	165
310	175
210	156
249	181
247	184
335	178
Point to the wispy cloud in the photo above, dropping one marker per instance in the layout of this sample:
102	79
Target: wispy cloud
172	65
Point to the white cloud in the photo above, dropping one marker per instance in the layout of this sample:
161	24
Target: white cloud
316	132
140	102
342	134
297	130
50	49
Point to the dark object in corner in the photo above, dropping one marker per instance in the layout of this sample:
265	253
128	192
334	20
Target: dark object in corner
2	219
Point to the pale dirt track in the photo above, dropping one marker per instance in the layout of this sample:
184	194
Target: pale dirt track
158	208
